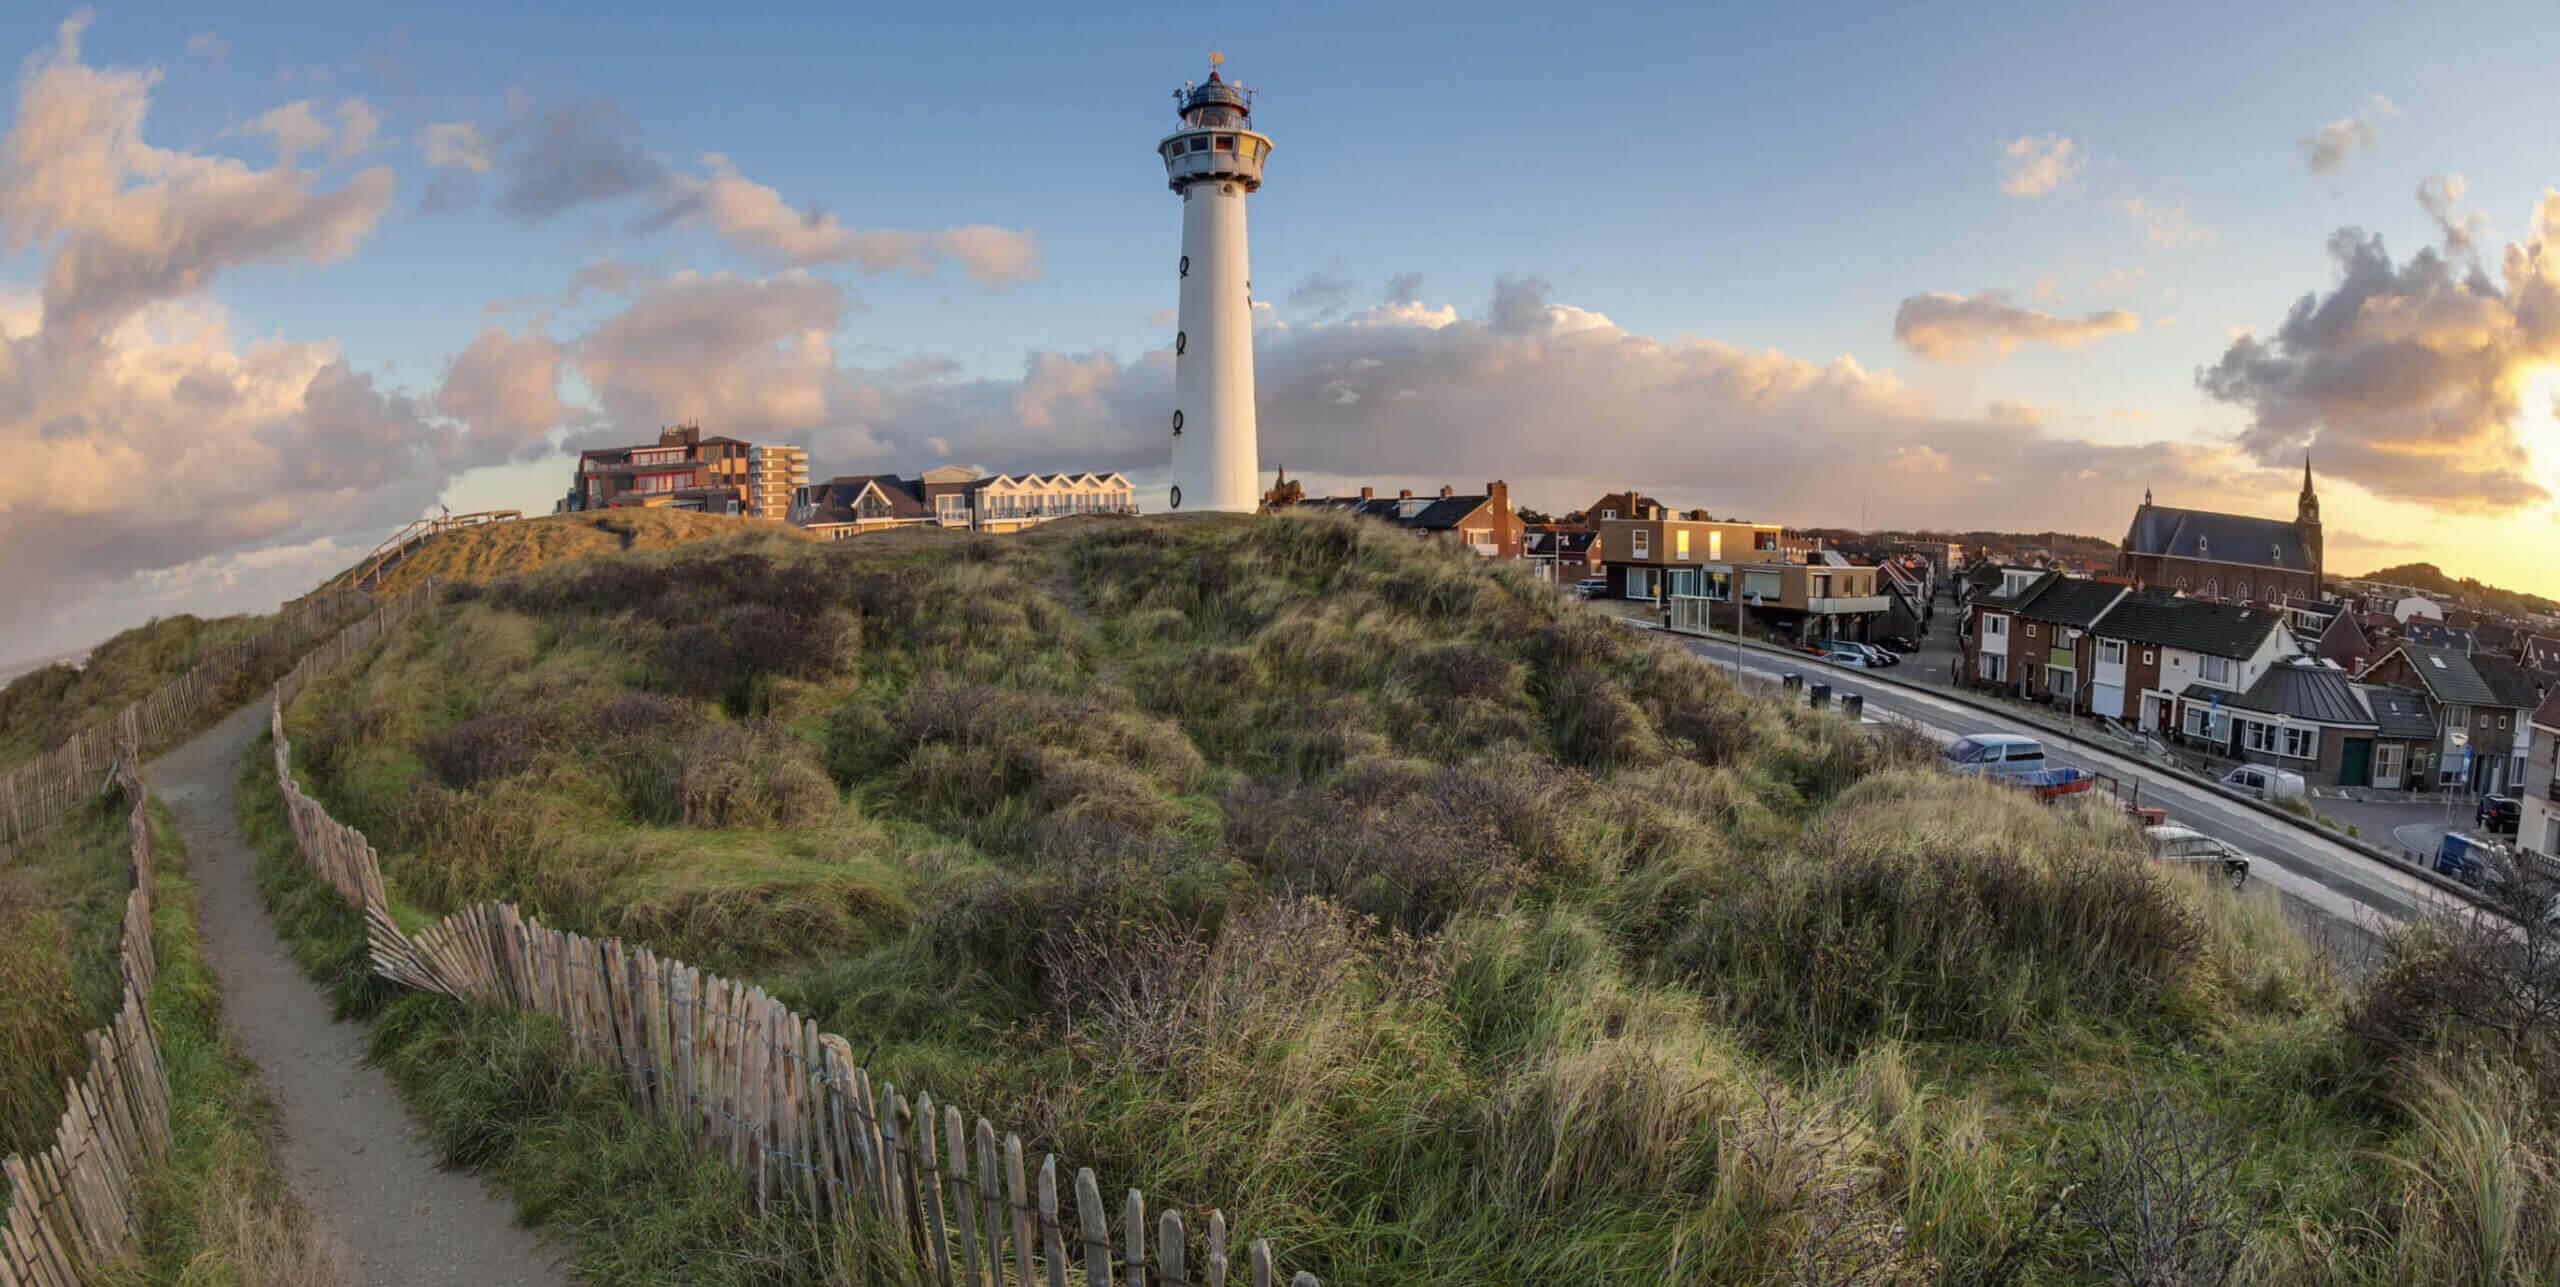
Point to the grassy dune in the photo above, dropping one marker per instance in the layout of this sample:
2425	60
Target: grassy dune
1428	923
494	550
41	709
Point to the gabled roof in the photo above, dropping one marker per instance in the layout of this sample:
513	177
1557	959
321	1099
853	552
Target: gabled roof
2222	538
1551	540
2195	625
2026	594
2305	691
2548	713
2073	601
2542	652
2398	712
1434	514
1983	576
838	499
2514	685
2446	674
2436	634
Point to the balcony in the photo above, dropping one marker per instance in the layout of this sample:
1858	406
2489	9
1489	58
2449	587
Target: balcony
1840	606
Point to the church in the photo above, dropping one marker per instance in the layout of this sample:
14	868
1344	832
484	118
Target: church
2231	557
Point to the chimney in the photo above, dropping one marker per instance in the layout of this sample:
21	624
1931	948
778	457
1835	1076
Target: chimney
1500	493
1445	492
1368	493
1404	493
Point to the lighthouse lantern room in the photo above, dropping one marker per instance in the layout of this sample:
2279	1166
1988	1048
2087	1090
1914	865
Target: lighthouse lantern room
1214	160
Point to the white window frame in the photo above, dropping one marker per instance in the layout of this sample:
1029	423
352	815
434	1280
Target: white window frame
1995	626
2213	670
1640	544
2111	652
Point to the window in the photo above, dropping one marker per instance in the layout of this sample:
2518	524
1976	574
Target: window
2111	652
1199	142
1643	547
2031	630
1640	583
1680	541
1995	666
1226	142
2214	670
2502	721
1608	513
2244	589
1181	341
2258	737
2063	681
1177	423
1715	545
1995	627
2213	587
2302	743
2146	656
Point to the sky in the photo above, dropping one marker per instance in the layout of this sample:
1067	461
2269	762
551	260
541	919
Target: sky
270	288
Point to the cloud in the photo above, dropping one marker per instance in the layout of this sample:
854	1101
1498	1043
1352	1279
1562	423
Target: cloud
2407	378
570	155
358	127
145	437
749	354
457	144
2166	225
507	389
208	46
130	223
1950	327
2032	165
2119	279
1403	288
755	220
294	130
1415	391
2441	196
1321	293
2329	147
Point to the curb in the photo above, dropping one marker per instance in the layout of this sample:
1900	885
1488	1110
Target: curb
2375	853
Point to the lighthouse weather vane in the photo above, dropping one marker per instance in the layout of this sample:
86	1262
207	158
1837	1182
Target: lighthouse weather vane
1214	160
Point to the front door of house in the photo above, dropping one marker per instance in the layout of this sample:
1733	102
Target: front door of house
2355	761
2386	764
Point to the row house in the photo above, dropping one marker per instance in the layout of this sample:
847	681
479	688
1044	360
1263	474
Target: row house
1484	521
2329	631
2480	707
2538	832
2157	661
955	496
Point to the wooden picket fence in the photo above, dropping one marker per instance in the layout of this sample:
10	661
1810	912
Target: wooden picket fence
44	790
73	1205
742	1075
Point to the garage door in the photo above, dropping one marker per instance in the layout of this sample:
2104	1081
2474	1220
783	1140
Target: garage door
2107	700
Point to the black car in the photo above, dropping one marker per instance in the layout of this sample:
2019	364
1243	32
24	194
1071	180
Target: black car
2500	813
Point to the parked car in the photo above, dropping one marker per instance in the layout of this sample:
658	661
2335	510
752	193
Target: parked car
2170	843
1839	656
1875	656
2499	814
2261	782
1591	587
2013	760
1904	644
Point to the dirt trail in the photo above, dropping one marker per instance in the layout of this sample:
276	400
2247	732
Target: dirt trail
350	1150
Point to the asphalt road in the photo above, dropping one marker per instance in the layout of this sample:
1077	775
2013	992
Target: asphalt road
2327	876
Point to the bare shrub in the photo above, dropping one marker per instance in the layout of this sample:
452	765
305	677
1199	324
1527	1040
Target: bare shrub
1412	864
637	714
2474	984
488	747
1084	878
2156	1191
1448	671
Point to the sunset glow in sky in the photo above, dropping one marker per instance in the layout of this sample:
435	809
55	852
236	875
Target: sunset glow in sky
269	289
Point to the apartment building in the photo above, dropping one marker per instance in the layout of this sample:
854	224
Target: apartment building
681	470
1659	553
774	475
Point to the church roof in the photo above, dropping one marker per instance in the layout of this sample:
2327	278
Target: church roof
2219	538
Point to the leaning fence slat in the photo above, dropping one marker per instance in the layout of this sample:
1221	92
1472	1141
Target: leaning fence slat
1169	1249
1217	1259
1094	1227
991	1201
1053	1242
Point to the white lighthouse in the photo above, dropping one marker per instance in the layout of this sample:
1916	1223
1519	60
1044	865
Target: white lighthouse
1214	160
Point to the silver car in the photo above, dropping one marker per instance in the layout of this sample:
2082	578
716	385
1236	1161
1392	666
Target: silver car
2172	843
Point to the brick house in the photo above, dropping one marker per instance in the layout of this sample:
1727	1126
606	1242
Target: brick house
1561	555
681	470
1484	521
2306	718
2164	663
2462	701
1658	553
1626	504
2053	655
2405	737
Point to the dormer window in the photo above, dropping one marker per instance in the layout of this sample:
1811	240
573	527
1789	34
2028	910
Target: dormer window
2204	548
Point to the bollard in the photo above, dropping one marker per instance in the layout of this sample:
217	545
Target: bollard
1854	705
1792	682
1820	694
